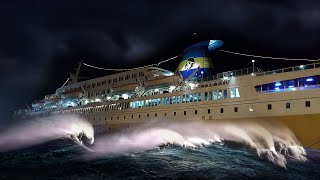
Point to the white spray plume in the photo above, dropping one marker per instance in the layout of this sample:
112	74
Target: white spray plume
270	140
32	132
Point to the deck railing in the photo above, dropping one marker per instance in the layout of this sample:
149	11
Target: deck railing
239	72
258	71
290	69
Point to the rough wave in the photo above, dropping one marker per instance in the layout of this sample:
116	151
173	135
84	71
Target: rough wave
270	140
38	131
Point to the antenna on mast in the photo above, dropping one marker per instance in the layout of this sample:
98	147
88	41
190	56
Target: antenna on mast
78	69
74	77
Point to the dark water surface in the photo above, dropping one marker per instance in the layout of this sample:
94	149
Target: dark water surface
63	159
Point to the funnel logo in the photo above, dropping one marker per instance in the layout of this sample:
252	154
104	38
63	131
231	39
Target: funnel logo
196	58
189	64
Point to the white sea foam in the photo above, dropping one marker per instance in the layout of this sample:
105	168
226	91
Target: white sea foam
42	130
269	140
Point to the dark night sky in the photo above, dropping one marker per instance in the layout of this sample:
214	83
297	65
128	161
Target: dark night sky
41	41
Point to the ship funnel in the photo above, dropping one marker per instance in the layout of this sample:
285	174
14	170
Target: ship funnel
196	62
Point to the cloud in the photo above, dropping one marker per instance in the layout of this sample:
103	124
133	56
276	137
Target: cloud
137	48
8	61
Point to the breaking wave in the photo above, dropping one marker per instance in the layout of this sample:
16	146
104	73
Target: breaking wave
38	131
270	140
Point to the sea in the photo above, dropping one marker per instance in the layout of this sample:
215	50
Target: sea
156	151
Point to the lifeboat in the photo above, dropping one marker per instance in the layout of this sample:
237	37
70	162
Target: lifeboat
127	87
156	82
73	94
164	80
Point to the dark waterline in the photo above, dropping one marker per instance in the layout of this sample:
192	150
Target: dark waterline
62	159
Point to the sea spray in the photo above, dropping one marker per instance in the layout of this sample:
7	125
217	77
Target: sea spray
36	131
270	140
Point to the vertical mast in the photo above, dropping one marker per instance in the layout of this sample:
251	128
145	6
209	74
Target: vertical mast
74	77
78	70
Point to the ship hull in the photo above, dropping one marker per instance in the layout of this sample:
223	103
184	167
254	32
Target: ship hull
289	97
306	128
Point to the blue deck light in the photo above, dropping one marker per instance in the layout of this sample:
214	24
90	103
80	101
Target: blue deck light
309	79
278	84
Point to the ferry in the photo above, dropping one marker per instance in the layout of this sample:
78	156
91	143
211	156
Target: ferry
193	92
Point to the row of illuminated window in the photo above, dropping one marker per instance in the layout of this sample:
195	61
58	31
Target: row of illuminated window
194	97
303	83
